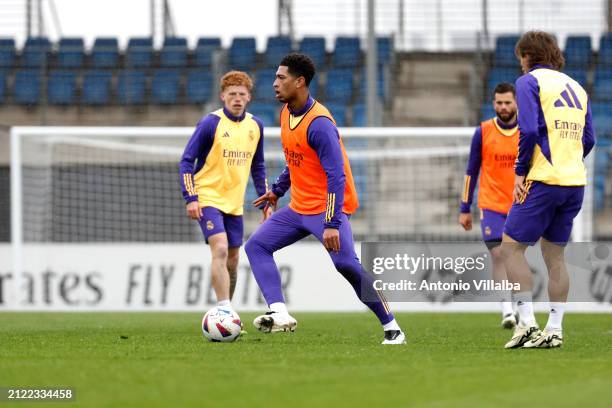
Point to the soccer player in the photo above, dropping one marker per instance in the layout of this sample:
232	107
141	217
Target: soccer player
225	147
323	197
492	154
556	134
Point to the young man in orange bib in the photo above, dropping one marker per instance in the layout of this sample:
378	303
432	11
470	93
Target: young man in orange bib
323	197
492	155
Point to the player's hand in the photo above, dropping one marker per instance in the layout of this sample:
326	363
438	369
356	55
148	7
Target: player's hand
465	219
270	198
331	239
194	211
267	212
520	192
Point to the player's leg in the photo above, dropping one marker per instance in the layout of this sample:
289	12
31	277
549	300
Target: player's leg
553	244
492	226
525	224
347	263
213	228
283	228
234	228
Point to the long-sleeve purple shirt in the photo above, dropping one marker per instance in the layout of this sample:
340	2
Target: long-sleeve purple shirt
324	139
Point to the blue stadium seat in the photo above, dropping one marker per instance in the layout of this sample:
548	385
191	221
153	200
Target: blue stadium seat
174	52
486	112
276	49
313	88
347	52
242	53
131	87
7	53
360	116
263	85
384	46
199	87
578	51
26	88
605	50
2	87
602	86
498	75
35	52
105	53
205	49
97	87
165	87
601	108
314	47
140	52
504	51
71	53
603	125
339	85
61	88
267	113
338	111
578	74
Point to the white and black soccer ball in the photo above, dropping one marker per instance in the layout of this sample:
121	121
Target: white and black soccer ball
221	324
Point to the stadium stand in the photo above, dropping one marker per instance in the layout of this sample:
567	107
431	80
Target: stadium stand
242	53
105	53
35	52
71	53
276	49
7	53
97	87
338	111
199	87
315	48
165	88
140	52
578	52
605	50
174	52
205	49
339	85
61	89
131	88
26	88
504	51
268	113
347	52
2	87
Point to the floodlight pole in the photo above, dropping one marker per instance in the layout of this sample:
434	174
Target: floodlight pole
373	116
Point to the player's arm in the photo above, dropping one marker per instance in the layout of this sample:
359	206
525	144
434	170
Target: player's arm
528	101
258	170
279	188
193	157
588	136
323	137
470	179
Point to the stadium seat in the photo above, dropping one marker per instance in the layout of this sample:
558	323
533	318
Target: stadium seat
199	87
35	52
71	53
601	108
339	85
276	49
384	46
131	87
7	53
205	49
578	74
347	52
603	125
498	75
140	52
338	111
26	88
504	51
486	112
242	53
174	52
97	87
61	88
602	85
314	47
267	113
578	51
165	87
263	85
605	51
105	53
360	117
313	88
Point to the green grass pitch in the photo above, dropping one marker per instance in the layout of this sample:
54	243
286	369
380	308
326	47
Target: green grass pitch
332	360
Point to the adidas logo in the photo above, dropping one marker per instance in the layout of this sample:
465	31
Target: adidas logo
226	134
568	100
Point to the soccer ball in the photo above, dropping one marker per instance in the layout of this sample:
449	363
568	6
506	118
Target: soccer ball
220	324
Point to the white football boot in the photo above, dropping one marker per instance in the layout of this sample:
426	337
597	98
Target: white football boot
546	339
394	337
522	334
273	322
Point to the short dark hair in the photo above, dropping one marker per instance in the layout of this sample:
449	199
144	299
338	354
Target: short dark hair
299	65
504	87
540	48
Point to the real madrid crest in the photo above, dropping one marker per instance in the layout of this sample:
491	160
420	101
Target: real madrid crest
209	225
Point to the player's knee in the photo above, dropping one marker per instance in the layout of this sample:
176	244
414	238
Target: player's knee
348	268
219	252
252	245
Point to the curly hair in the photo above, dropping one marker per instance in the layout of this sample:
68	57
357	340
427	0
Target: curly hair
299	65
540	48
236	78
